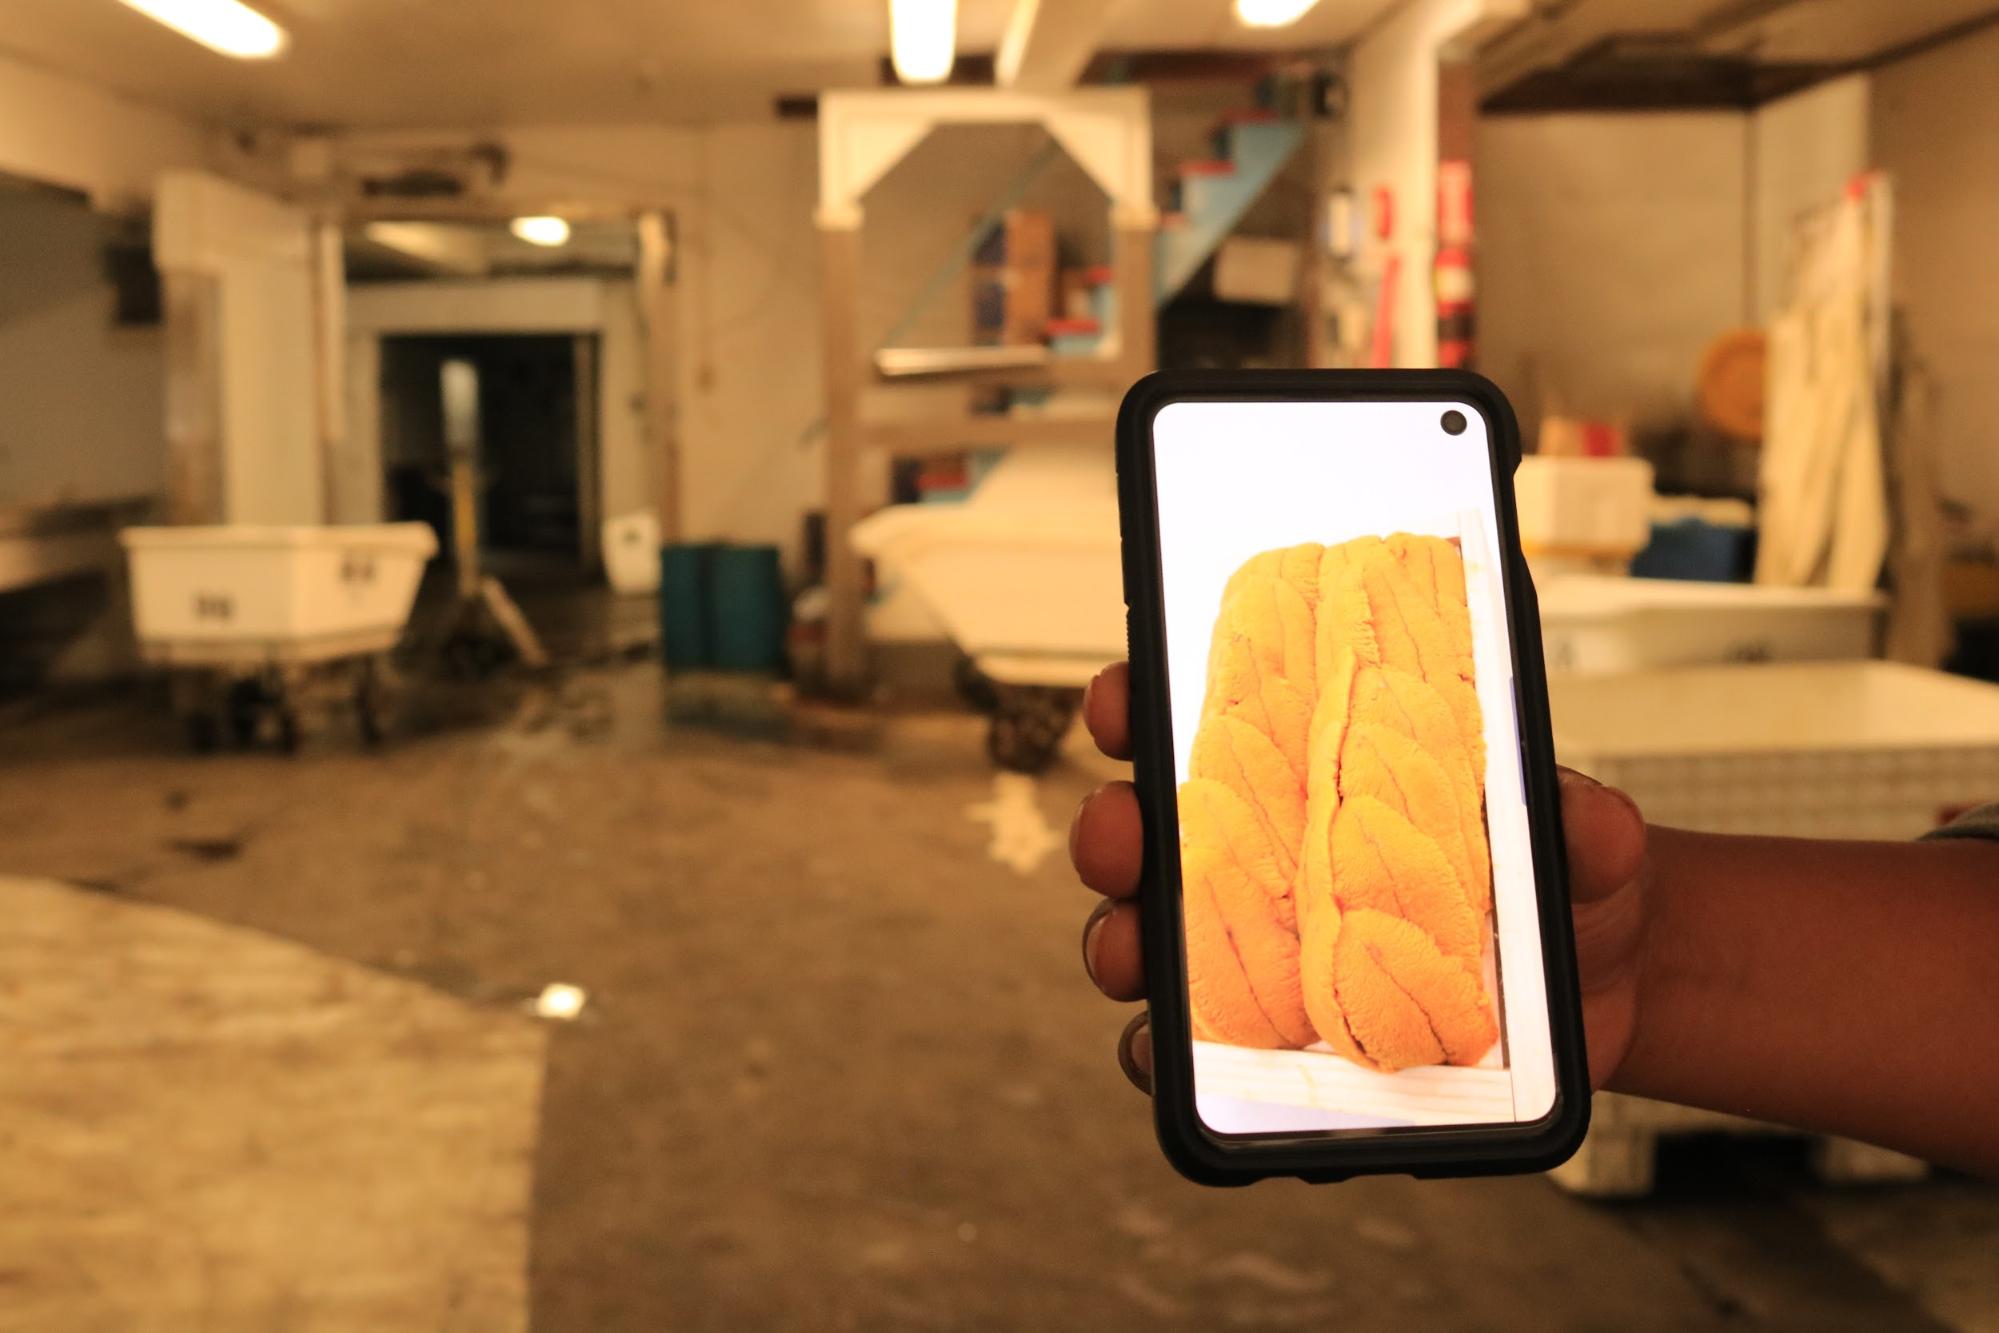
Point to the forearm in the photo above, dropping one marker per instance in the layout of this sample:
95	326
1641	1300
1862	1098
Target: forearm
1849	988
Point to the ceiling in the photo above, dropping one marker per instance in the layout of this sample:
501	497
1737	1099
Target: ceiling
1598	52
470	63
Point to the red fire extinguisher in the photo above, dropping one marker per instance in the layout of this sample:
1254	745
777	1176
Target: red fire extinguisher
1456	289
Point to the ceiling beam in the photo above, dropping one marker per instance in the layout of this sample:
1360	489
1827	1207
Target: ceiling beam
1048	43
1553	36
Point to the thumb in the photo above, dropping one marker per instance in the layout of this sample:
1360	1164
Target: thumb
1605	836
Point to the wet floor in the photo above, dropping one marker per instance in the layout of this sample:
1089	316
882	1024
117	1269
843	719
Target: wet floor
838	1067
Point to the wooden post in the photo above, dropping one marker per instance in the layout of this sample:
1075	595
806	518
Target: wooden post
655	279
589	453
839	281
196	488
1131	270
1315	272
458	384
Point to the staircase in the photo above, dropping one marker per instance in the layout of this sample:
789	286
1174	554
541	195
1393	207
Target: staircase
1206	200
1208	197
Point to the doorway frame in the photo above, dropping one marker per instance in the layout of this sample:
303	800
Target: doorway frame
576	307
640	370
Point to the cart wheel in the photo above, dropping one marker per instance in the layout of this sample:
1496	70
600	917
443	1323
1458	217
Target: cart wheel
474	657
1027	728
979	691
244	705
204	733
369	706
287	719
368	716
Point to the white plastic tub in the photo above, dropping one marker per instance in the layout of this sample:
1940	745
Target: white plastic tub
1596	624
1808	749
631	553
1026	576
225	595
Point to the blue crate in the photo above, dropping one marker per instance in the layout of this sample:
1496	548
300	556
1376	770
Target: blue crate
1693	548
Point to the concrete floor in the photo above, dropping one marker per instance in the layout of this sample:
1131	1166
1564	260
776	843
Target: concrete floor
211	1127
839	1068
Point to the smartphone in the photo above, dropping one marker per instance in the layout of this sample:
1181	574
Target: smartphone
1357	940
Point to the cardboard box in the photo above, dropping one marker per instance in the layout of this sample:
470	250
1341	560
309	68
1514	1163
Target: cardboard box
1257	269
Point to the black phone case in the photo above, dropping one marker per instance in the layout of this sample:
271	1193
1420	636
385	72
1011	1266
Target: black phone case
1478	1150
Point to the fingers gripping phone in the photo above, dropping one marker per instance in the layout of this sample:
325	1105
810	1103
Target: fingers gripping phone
1357	939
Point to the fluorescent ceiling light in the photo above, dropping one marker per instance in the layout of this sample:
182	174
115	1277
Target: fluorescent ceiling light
1271	13
541	230
227	26
922	39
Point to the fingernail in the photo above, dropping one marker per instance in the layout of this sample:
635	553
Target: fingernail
1090	927
1076	822
1137	1035
1089	690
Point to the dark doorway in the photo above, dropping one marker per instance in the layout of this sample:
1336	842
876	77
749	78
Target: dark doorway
535	397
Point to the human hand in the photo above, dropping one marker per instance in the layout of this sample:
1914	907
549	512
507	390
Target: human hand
1608	883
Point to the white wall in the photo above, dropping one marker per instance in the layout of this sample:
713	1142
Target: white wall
65	132
1612	249
745	306
751	458
1936	132
746	295
82	401
258	255
1614	246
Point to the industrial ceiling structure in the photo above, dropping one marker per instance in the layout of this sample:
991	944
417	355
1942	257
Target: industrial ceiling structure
380	64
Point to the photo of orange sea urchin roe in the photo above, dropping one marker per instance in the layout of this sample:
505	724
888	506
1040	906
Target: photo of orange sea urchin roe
1335	868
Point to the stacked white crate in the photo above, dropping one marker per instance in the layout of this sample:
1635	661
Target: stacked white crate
1594	623
1798	749
1805	749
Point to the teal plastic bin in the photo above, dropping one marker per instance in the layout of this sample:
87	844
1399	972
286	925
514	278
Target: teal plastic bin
686	616
721	607
747	590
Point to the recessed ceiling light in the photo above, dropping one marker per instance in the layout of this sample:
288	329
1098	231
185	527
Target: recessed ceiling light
227	26
541	230
1271	13
922	39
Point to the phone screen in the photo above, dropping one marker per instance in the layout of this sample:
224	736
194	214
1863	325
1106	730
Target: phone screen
1361	926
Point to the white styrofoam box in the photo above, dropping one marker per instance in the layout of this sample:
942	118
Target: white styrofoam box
1596	624
631	552
1594	508
1806	749
1258	269
275	585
